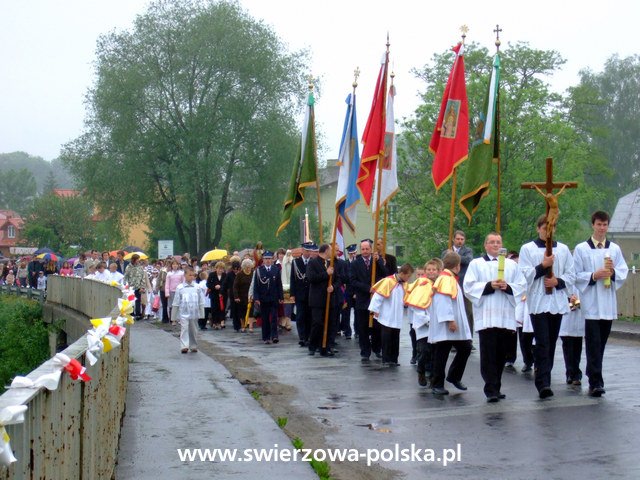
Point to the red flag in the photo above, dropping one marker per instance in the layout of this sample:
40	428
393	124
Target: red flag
373	136
450	140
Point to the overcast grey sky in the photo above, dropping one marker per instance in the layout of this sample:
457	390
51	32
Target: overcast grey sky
47	49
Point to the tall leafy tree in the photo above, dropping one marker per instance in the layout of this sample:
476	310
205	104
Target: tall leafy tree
534	125
191	114
605	107
18	190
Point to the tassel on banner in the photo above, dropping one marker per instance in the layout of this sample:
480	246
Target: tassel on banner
9	416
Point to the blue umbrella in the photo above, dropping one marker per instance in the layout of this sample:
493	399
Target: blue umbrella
131	248
43	250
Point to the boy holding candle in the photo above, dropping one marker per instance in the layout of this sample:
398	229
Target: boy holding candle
494	284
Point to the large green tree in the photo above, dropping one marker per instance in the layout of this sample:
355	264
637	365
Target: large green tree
605	107
534	125
18	190
190	115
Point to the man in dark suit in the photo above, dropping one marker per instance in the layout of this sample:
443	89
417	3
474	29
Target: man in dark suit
390	261
318	272
466	255
360	280
299	290
267	293
345	313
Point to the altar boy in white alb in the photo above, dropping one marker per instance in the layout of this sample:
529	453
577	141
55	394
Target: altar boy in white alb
494	286
546	310
600	271
448	327
387	306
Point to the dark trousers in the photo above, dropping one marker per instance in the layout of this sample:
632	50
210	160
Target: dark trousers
390	343
303	320
546	328
368	337
345	321
440	357
572	351
165	311
316	334
596	333
202	322
424	351
269	314
235	315
414	343
494	343
526	346
511	347
137	310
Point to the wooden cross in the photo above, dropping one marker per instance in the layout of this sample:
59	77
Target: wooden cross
552	205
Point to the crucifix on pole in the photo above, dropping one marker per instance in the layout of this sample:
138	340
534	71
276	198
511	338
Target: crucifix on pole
553	210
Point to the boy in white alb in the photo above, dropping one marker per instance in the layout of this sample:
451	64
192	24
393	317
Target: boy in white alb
600	272
448	327
494	302
387	305
187	308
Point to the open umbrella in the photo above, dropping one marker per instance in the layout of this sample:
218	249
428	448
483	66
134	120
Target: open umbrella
140	254
131	248
48	256
43	250
215	254
114	253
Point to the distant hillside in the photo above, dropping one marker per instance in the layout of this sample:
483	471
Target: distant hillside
38	166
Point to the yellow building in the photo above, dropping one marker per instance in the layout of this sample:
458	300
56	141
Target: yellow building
364	219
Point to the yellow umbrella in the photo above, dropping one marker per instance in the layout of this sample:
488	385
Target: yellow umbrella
140	254
215	254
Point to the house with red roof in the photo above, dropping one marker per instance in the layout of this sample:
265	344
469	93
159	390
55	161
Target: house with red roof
11	225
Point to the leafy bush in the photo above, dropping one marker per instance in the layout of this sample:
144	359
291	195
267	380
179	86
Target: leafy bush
24	339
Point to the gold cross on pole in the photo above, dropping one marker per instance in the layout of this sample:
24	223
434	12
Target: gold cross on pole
553	210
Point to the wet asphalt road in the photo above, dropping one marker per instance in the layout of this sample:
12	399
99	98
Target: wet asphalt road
367	406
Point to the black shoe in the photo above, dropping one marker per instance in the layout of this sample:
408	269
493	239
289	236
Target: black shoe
275	340
301	343
422	380
377	354
311	353
439	391
413	361
328	353
493	399
596	392
526	369
576	383
459	385
347	338
569	381
365	359
545	393
501	395
509	368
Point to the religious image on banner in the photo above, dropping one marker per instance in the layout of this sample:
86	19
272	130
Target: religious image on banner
387	160
450	123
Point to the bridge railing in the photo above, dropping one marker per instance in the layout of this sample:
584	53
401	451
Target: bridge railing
72	432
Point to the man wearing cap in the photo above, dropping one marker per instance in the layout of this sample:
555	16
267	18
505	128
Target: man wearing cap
267	293
360	280
299	290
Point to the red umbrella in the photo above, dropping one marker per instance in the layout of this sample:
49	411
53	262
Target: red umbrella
48	256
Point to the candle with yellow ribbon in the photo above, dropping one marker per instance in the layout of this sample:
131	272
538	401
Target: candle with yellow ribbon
607	264
502	254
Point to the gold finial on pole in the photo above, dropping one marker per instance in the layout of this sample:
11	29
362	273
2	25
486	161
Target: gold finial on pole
388	44
356	74
497	32
311	81
392	75
464	29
